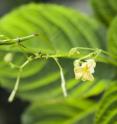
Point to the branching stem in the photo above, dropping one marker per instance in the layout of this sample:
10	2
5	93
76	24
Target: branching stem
16	40
12	95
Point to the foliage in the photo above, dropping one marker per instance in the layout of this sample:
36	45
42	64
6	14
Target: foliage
65	111
107	111
105	10
60	30
112	42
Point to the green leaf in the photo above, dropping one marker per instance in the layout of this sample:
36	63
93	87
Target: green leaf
60	111
112	38
60	30
107	112
105	10
65	31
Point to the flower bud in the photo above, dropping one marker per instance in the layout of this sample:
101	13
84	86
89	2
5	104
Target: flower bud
8	57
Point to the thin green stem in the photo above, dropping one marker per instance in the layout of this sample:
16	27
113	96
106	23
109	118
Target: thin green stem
13	93
85	48
16	40
63	83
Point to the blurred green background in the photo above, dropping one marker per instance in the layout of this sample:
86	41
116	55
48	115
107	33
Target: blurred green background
62	25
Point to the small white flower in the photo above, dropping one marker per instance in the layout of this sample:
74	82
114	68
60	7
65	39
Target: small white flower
8	57
84	70
91	64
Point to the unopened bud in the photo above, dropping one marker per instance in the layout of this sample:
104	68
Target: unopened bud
73	52
8	57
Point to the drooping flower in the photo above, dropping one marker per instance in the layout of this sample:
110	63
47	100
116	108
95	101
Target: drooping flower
84	70
91	64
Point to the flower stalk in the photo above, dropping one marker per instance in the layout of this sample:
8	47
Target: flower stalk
63	82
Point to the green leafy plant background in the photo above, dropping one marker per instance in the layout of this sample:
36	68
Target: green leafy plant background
60	29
